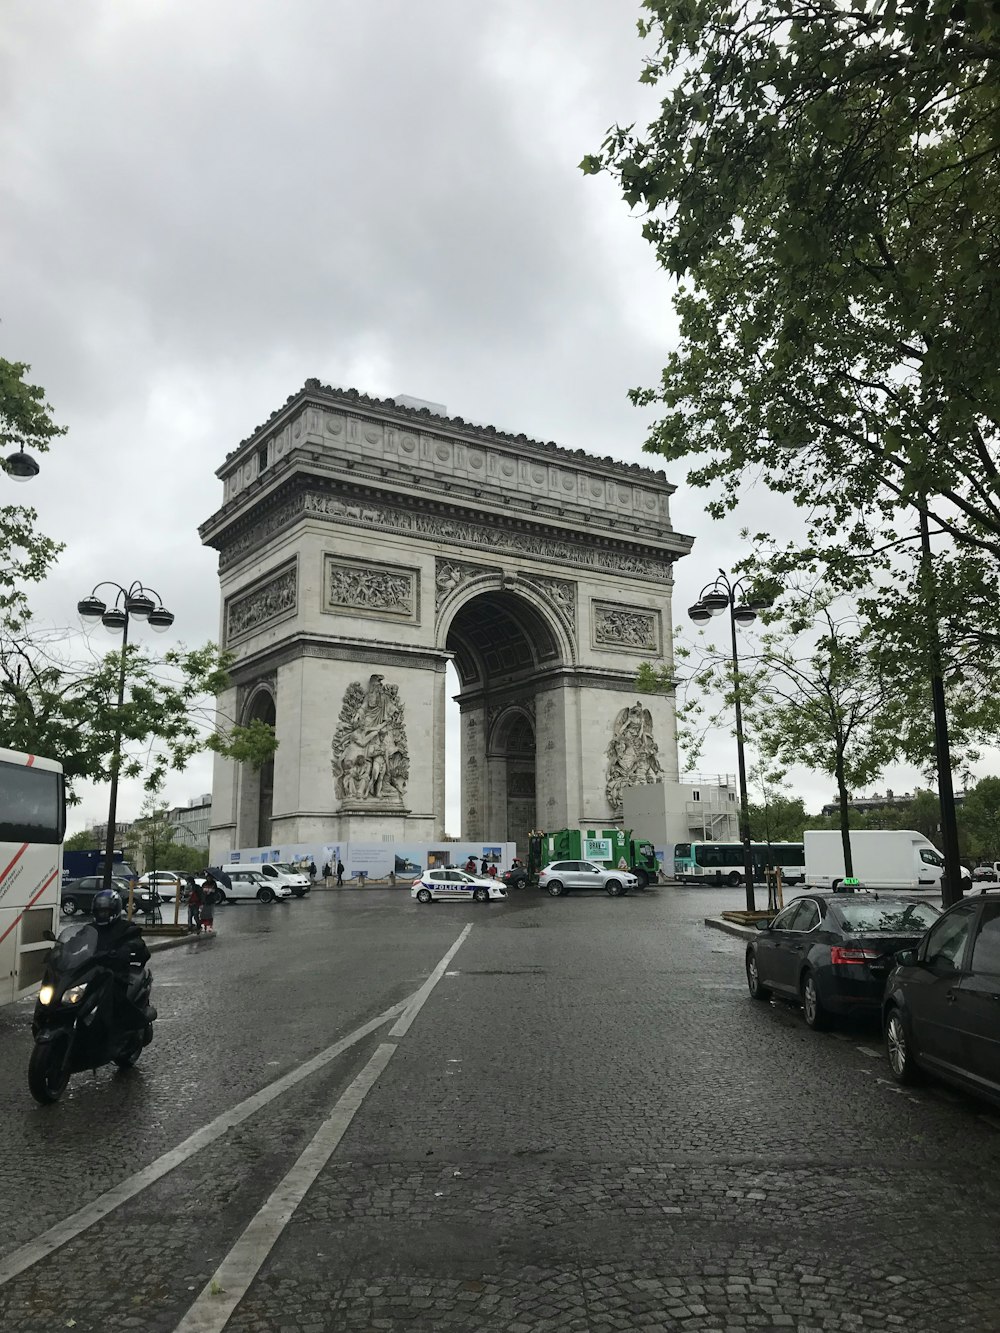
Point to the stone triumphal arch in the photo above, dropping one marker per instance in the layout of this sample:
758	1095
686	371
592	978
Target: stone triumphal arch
365	543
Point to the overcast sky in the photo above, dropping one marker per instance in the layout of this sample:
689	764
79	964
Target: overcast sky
205	204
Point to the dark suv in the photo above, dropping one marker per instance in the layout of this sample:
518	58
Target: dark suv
78	894
942	1002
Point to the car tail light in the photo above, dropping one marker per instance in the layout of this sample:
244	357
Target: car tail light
838	954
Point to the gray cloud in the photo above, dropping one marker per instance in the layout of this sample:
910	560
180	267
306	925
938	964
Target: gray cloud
203	205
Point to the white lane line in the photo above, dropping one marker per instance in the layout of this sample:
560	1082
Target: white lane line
230	1282
870	1050
71	1227
417	1001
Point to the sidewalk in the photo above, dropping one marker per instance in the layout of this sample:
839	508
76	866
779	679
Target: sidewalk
731	928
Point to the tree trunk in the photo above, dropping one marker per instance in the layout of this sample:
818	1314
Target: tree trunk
845	820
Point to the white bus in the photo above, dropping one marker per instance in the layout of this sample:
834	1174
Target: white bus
32	825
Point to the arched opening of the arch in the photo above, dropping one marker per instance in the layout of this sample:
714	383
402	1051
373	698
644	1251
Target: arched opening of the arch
257	785
502	646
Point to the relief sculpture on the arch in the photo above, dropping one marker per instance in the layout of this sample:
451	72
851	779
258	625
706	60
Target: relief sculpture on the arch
633	757
370	759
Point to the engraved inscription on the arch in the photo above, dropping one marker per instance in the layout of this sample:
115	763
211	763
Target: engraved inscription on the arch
371	587
271	599
494	537
617	626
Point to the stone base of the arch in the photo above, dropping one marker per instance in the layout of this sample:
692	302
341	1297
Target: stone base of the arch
310	683
555	773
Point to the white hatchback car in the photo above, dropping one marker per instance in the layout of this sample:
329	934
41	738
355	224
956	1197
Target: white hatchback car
559	876
455	886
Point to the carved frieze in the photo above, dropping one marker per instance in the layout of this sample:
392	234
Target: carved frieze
371	588
633	755
494	537
617	626
272	598
560	592
452	574
371	763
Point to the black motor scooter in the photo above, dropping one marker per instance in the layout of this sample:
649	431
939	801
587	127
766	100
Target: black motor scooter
84	1018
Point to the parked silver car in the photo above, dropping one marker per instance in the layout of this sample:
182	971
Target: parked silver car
558	876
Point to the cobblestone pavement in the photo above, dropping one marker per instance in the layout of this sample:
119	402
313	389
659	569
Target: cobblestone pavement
588	1126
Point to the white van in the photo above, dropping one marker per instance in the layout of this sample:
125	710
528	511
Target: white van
883	859
276	876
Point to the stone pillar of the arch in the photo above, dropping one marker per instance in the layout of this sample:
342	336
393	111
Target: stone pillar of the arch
222	837
475	777
495	825
557	757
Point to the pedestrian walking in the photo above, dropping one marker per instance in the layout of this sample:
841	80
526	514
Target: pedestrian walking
493	871
326	872
340	874
194	906
312	869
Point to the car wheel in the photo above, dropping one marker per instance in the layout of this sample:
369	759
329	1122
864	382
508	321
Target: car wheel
757	990
265	894
423	895
482	895
897	1047
733	878
69	906
613	888
643	879
555	888
815	1015
220	898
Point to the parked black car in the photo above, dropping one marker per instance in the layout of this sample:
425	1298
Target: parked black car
515	878
834	951
942	1002
78	894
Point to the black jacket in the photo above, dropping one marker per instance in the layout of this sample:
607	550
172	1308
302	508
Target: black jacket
121	941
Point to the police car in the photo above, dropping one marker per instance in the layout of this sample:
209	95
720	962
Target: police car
455	886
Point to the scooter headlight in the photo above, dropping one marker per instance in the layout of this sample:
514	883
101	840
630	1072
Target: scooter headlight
75	993
45	994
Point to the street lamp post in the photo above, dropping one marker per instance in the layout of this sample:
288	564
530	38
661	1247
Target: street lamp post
743	608
132	603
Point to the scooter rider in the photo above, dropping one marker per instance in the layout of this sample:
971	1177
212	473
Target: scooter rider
122	945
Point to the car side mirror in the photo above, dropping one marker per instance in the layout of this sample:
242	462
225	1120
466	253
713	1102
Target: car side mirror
906	958
763	925
48	935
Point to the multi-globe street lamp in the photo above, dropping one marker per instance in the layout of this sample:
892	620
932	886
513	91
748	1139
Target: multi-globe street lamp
136	602
743	605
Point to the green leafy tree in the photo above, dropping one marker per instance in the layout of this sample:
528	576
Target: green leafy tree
81	842
51	705
822	181
979	820
26	555
778	819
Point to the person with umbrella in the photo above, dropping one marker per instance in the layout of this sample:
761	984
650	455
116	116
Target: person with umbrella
209	897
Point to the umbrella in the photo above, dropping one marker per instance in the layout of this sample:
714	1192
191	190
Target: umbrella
220	876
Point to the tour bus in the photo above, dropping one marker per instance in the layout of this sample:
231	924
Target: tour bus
722	862
32	825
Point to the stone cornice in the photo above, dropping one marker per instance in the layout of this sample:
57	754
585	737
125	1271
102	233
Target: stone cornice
351	401
241	529
249	669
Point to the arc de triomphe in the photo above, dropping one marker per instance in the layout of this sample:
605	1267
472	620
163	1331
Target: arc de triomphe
362	544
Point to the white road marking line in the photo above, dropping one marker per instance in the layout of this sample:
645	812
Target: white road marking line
71	1227
870	1050
230	1282
417	1001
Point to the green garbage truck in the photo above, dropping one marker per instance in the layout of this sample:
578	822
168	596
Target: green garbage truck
607	847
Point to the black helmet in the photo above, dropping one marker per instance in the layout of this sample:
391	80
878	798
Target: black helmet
107	907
